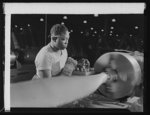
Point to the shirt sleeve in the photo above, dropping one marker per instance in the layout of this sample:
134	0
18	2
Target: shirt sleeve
63	59
44	62
66	55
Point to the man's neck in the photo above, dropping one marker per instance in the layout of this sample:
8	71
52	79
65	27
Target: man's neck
54	48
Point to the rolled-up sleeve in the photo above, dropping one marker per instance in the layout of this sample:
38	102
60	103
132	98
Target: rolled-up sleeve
44	62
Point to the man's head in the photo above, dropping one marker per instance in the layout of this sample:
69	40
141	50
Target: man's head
59	36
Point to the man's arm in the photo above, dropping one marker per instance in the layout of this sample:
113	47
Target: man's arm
43	65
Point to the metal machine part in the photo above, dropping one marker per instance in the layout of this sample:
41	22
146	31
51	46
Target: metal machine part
83	65
128	70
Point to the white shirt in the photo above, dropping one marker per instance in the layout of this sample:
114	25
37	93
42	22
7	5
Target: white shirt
47	59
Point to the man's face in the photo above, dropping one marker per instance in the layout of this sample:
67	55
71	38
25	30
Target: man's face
62	40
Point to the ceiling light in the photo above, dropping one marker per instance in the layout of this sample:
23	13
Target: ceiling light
102	30
65	17
28	25
92	28
113	20
111	31
136	27
41	19
95	15
85	21
62	23
111	27
16	26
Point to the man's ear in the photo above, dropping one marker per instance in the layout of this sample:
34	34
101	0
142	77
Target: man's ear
54	38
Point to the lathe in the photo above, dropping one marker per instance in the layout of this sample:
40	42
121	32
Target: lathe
62	90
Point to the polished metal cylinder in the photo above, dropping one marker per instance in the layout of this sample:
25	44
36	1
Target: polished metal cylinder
129	74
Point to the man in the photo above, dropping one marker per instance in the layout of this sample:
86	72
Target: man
52	58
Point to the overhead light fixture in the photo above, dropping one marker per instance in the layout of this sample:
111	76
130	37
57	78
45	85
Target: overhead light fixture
28	25
41	19
136	27
117	35
95	15
90	46
85	21
16	26
65	17
110	34
95	32
21	28
113	20
111	27
102	30
111	31
63	23
92	28
81	32
130	35
71	30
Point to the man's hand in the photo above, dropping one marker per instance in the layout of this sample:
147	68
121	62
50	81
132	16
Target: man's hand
69	66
